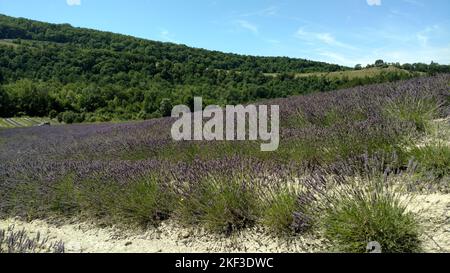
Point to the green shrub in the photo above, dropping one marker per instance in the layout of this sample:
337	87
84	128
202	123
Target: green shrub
348	144
146	201
70	117
363	213
220	204
27	199
299	150
99	199
433	159
65	199
165	107
53	114
142	201
420	111
297	120
278	213
288	208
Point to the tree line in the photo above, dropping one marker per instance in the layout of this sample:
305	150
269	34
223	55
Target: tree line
78	75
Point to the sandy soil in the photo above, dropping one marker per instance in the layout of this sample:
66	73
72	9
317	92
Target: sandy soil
168	238
434	211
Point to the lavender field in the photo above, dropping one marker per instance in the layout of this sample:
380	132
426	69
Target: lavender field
343	155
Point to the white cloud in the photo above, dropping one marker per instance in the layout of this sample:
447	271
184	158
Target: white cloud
73	2
267	12
374	2
390	44
414	2
423	39
424	55
324	38
430	33
273	41
166	36
248	26
411	55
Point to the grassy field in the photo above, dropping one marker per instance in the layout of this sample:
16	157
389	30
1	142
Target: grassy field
7	42
352	74
23	122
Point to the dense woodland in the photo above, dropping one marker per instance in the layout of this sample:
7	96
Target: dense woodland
77	75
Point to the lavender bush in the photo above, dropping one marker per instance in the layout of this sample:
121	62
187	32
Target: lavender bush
12	241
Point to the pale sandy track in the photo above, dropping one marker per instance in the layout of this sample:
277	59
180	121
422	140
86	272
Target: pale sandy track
169	238
434	212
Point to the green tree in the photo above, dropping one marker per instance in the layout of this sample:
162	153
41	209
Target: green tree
379	63
30	98
4	103
166	107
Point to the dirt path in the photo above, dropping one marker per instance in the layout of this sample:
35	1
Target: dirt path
434	211
170	238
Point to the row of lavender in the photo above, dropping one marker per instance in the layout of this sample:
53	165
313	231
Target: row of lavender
339	132
313	116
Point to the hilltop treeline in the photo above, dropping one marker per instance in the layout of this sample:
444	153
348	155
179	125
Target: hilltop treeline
86	75
431	69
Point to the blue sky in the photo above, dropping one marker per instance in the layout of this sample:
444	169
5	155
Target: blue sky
346	32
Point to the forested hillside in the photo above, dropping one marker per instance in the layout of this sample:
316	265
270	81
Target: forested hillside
86	75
